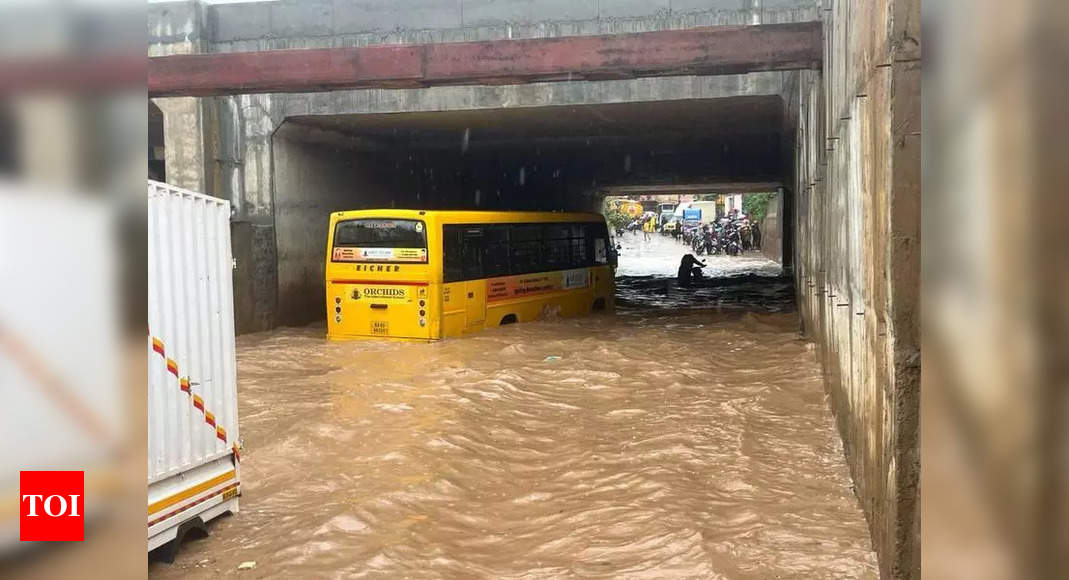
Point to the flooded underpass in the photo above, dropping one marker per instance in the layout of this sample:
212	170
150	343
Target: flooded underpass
685	436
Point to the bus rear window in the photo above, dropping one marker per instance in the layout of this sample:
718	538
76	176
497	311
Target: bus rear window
380	240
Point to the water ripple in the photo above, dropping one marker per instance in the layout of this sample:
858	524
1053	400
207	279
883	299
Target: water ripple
687	443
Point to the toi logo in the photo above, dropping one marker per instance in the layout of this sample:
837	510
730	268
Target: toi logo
51	506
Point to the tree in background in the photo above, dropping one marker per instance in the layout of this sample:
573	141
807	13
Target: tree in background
756	205
615	218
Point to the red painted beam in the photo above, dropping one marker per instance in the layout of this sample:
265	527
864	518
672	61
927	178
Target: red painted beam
65	74
712	50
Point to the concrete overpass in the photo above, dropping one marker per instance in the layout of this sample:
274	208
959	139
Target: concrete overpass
291	145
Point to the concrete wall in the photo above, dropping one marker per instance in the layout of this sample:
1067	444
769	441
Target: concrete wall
857	222
311	180
318	23
255	275
772	230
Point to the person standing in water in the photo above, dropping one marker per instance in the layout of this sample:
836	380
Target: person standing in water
687	267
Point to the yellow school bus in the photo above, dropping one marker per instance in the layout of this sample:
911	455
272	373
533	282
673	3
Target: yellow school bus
425	275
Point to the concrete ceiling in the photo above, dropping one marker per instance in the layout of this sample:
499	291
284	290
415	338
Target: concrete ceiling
613	123
574	149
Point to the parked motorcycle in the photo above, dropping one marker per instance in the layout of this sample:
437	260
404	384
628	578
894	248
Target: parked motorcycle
688	236
705	242
731	239
697	244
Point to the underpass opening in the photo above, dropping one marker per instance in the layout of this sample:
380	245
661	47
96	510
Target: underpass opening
702	249
677	208
555	158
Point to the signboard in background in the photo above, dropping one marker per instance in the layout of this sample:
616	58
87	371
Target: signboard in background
692	214
631	208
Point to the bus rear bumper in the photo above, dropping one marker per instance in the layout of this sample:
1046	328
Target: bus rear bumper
333	337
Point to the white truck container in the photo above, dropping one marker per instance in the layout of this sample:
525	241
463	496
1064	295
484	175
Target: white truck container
708	209
193	445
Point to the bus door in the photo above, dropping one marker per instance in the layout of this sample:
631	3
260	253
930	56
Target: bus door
473	251
475	308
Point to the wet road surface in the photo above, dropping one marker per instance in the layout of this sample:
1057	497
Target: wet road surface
662	442
647	271
660	255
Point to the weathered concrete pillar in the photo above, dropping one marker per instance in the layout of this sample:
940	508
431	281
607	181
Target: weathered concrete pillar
243	170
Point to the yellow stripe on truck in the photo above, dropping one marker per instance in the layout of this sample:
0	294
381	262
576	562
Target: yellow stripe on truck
188	493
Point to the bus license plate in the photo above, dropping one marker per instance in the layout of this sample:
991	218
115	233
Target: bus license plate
230	494
380	327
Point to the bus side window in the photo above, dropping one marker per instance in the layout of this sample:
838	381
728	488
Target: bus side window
599	245
578	241
453	256
496	262
463	248
595	245
525	247
556	247
474	247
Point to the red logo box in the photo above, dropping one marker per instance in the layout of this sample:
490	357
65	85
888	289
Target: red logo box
51	506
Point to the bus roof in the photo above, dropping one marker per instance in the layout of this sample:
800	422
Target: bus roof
477	216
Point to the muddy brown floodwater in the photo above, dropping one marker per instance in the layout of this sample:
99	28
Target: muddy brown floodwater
657	443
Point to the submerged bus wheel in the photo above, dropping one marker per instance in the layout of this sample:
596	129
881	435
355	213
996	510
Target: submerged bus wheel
509	319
